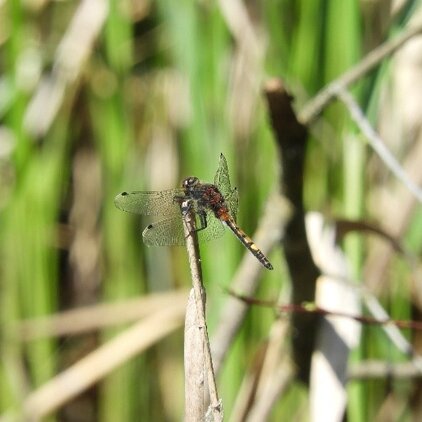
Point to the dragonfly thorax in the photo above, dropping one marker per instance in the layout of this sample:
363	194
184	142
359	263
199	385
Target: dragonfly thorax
205	195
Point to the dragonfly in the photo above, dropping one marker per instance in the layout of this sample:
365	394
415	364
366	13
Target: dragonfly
214	206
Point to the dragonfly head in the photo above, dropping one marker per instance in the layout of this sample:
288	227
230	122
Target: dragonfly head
190	182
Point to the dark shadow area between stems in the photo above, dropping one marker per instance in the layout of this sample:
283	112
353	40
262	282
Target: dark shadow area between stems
291	139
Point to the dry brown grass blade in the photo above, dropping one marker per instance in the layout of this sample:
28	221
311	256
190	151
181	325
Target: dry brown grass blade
82	320
74	49
95	366
261	389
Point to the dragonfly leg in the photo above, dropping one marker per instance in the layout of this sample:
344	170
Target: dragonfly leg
185	206
203	221
178	199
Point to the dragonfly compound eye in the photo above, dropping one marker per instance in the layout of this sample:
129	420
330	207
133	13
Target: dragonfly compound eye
190	181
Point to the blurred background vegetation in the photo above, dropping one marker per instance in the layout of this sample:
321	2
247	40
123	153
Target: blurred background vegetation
98	96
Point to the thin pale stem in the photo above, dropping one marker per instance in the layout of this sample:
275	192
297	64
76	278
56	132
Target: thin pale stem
376	142
314	107
200	300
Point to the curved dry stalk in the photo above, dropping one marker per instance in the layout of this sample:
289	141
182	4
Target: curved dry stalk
197	346
314	107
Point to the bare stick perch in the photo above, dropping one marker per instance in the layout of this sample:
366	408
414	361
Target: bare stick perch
197	345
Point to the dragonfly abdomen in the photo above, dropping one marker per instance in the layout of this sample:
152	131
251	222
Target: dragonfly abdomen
248	243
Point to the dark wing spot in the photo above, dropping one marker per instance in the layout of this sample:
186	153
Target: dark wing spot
124	194
150	226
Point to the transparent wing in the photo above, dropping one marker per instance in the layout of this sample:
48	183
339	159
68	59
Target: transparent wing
149	202
169	232
222	178
222	181
232	202
214	230
166	232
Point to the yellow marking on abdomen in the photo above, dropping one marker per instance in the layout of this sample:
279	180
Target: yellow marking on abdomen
249	243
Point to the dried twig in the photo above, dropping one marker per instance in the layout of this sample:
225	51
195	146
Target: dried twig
192	364
314	107
311	308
